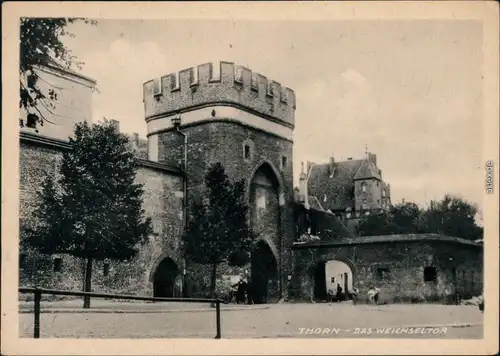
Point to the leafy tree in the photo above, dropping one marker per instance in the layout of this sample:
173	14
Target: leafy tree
218	229
377	224
405	216
93	208
40	45
452	216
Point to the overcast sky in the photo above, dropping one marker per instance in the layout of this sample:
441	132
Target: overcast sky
409	90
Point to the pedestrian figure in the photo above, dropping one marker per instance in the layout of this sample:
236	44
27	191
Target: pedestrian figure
331	295
339	293
376	296
371	295
240	291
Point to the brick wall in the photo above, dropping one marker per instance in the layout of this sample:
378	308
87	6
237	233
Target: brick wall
161	202
403	266
197	86
223	142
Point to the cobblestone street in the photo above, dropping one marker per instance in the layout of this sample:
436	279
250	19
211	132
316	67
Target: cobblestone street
286	320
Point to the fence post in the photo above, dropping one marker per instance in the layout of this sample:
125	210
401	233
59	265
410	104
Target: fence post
217	316
38	297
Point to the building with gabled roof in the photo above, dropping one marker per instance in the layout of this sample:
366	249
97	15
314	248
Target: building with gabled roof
348	188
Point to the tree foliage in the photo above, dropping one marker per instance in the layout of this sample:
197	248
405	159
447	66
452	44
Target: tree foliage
92	209
41	45
218	230
450	216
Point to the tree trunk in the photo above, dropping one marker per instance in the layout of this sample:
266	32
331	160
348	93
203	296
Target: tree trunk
88	282
213	281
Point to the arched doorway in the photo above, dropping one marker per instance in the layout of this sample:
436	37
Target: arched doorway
338	273
264	275
265	223
164	280
328	275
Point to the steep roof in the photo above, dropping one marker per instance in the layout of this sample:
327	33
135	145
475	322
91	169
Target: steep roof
59	67
339	186
367	170
327	223
314	203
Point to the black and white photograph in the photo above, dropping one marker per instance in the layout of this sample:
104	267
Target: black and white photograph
215	171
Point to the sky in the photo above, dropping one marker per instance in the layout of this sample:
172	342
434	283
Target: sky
410	91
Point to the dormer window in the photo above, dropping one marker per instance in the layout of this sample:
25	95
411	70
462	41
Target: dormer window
324	198
383	193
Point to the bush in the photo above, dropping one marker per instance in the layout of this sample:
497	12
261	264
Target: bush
474	301
222	287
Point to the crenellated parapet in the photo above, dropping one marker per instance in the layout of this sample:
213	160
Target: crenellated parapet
230	85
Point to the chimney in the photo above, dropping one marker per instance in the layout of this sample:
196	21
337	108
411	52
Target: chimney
302	183
116	125
135	141
331	167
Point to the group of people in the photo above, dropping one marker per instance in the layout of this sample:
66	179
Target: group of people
241	292
372	295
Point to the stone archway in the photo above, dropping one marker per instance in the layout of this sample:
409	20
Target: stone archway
265	215
264	286
165	278
326	273
338	273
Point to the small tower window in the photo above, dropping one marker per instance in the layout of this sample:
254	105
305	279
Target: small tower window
247	150
363	187
284	162
324	198
57	264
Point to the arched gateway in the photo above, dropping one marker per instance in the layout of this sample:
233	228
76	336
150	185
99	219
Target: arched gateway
165	279
327	275
265	218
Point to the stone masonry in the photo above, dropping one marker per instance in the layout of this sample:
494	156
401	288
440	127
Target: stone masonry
239	119
397	265
40	157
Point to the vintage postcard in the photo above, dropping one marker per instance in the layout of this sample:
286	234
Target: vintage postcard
250	178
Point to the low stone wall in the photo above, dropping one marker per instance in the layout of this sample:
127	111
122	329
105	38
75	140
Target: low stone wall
458	270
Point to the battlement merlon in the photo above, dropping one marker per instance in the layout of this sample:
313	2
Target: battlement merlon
235	85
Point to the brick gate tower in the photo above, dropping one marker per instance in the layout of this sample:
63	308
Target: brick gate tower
246	122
